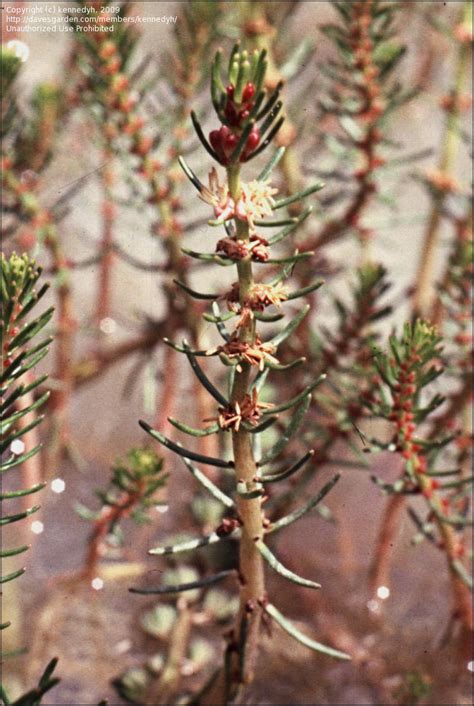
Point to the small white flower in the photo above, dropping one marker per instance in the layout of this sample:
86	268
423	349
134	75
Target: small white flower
256	202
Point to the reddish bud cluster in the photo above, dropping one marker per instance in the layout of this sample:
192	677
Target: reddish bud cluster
225	139
224	142
237	113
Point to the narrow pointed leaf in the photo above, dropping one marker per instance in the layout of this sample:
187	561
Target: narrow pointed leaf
271	164
209	485
202	377
13	575
282	570
305	290
208	256
202	137
191	430
190	545
268	422
186	453
190	174
300	195
5	553
242	142
8	519
22	493
284	366
268	318
219	323
293	631
182	349
179	588
291	227
193	293
16	460
298	398
292	326
289	432
282	475
293	516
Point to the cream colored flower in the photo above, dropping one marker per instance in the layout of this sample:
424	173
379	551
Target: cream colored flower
256	201
217	196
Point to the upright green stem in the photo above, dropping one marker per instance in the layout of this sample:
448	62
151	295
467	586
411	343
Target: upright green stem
250	513
449	150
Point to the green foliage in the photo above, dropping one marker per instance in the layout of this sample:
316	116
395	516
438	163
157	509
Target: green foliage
10	66
21	352
34	696
123	34
134	483
415	354
407	373
415	688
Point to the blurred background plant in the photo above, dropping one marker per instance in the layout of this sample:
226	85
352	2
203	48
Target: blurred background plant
375	103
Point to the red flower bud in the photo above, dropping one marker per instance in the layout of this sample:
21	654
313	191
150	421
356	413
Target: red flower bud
248	92
230	141
253	139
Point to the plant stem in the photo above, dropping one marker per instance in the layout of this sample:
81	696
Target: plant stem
107	254
168	683
242	648
424	279
463	233
380	569
250	512
66	327
110	516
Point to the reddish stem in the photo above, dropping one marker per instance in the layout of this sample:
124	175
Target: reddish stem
107	255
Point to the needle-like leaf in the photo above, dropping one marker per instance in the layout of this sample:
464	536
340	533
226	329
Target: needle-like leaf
186	453
282	570
293	631
293	516
180	588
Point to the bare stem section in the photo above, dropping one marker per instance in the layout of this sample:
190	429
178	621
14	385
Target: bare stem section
251	572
